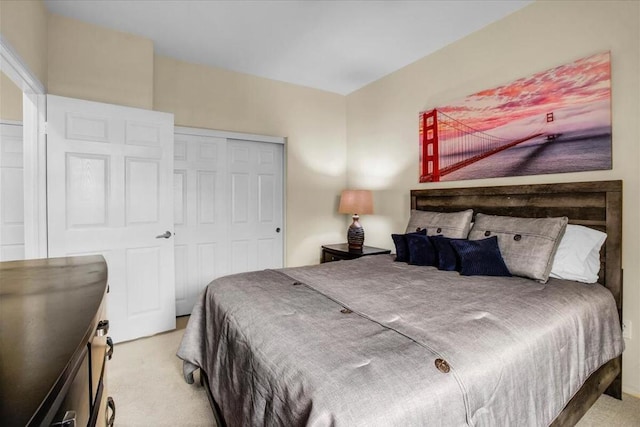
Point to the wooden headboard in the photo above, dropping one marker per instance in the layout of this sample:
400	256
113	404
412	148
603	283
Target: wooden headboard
595	204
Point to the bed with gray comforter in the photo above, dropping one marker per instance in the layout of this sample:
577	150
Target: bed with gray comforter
372	342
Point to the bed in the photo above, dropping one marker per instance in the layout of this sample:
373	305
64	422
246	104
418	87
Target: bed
378	342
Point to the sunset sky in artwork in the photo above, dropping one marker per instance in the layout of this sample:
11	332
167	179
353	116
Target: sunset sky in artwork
581	88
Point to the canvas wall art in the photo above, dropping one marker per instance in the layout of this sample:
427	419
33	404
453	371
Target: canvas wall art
555	121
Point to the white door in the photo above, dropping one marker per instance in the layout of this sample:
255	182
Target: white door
11	193
109	191
228	209
200	215
255	203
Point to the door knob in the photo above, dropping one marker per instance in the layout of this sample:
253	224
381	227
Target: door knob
165	235
278	230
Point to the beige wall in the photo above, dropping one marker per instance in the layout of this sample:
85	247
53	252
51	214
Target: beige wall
98	64
313	122
382	118
10	99
24	24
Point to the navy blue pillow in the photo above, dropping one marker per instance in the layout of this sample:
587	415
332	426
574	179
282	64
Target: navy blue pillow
421	251
480	257
402	250
447	257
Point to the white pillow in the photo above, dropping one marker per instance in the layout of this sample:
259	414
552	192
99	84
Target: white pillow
578	255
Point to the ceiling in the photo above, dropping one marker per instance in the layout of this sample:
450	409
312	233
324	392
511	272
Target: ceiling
337	46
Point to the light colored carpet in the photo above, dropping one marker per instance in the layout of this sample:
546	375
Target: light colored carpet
608	411
145	380
146	383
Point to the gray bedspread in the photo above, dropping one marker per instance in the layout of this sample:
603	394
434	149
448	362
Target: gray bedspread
355	343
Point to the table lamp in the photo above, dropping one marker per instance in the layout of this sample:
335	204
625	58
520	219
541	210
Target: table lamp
356	202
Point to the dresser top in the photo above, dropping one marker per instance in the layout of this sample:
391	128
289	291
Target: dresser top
47	314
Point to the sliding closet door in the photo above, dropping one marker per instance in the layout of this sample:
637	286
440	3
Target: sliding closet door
200	215
109	191
255	198
11	193
228	209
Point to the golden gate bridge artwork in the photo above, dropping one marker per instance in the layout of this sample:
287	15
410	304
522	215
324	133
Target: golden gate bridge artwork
465	144
554	121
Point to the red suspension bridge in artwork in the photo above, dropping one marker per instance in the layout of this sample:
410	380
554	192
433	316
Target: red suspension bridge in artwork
448	144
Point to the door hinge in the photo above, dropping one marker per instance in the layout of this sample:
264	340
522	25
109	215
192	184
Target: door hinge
45	128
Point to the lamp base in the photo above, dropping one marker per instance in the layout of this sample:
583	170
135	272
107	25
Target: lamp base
355	235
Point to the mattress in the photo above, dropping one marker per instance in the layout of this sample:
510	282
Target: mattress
374	342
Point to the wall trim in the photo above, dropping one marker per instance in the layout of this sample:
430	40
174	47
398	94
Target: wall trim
17	70
229	135
10	122
34	149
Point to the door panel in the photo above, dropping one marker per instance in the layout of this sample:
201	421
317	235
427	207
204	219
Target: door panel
143	268
239	255
267	253
145	134
266	198
256	205
179	196
206	197
86	128
143	191
11	193
228	204
201	215
87	179
182	271
206	268
239	198
110	190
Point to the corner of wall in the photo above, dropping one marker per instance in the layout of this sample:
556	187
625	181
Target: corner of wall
24	24
99	64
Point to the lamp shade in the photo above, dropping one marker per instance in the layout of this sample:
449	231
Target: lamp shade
356	202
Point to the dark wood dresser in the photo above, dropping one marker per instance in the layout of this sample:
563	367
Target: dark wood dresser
53	343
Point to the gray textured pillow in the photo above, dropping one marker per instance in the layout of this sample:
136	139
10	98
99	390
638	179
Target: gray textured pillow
527	245
455	225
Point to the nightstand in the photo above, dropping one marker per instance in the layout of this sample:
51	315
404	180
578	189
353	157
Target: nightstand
341	252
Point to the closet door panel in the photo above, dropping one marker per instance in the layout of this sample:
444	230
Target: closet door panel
200	215
228	210
256	201
11	193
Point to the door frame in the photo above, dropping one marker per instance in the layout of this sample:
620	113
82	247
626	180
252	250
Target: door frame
255	138
34	149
